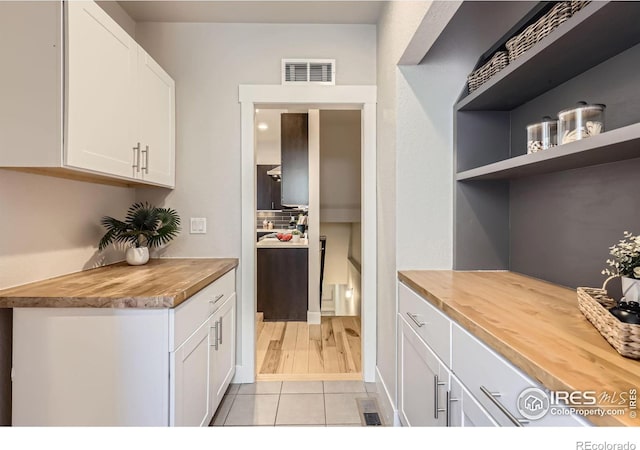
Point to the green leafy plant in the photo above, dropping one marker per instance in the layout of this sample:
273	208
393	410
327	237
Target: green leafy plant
626	257
296	232
144	226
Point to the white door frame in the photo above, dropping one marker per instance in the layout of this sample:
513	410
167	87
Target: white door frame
322	97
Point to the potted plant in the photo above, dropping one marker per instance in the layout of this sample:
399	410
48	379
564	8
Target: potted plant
296	236
145	226
626	264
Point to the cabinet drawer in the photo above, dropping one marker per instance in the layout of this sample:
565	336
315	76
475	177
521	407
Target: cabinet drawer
483	371
430	324
189	315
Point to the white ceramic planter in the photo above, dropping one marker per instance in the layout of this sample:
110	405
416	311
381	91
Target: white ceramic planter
137	256
295	238
631	289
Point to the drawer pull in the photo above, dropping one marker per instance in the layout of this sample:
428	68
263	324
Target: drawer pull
449	401
414	317
436	407
493	396
215	338
215	300
220	331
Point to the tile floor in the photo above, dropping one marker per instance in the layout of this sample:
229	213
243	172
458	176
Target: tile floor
293	403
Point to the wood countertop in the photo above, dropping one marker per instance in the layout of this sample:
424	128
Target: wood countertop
161	283
534	324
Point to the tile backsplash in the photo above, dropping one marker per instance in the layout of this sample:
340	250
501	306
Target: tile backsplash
280	219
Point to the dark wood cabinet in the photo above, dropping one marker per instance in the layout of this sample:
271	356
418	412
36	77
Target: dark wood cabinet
283	283
268	189
295	158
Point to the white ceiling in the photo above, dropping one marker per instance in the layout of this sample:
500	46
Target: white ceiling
265	11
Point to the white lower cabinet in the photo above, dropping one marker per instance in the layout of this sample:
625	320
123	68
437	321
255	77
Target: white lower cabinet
423	381
464	410
222	351
447	377
125	367
191	369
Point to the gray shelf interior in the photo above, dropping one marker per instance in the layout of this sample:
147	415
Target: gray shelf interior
575	46
554	214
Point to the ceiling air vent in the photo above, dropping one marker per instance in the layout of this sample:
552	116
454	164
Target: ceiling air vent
315	71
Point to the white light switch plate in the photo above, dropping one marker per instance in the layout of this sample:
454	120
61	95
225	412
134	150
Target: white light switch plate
198	225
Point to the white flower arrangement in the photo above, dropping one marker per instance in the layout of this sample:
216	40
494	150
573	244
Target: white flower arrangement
626	257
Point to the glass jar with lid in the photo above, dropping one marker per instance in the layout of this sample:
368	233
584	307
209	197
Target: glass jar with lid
581	122
542	135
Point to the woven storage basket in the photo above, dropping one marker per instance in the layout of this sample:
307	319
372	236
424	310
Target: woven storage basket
478	77
577	6
535	32
594	303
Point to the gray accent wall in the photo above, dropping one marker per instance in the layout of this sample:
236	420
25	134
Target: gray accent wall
562	224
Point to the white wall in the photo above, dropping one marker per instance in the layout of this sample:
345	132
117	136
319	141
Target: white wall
340	155
208	62
336	262
397	24
268	149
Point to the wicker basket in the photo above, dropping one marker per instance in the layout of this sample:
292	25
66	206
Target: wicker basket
535	32
480	76
594	303
577	6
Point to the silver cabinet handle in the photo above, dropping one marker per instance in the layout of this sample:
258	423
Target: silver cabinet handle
215	339
146	159
220	331
436	408
449	401
414	317
273	205
216	299
493	396
136	157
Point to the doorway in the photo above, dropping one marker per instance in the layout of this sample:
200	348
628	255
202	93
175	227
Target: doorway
293	341
312	98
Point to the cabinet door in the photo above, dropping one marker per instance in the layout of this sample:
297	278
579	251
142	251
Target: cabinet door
294	134
100	101
423	381
263	185
223	353
464	410
191	363
156	120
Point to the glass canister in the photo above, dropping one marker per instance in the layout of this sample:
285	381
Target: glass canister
580	122
543	135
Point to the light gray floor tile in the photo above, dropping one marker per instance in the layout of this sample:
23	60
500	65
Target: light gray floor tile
338	387
233	389
342	408
301	409
371	387
223	410
260	387
248	410
345	425
302	387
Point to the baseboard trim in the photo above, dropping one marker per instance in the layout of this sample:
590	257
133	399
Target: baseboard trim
313	317
243	375
388	406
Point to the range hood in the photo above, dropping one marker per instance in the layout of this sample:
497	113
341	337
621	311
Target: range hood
275	172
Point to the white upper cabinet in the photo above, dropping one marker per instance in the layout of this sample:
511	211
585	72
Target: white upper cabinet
101	72
83	99
156	119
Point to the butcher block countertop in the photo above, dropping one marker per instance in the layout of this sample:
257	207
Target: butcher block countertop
534	324
161	283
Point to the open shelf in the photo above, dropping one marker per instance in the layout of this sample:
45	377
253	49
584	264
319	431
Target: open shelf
616	145
575	46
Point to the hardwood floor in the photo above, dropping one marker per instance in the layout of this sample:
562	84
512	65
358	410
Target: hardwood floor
287	351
